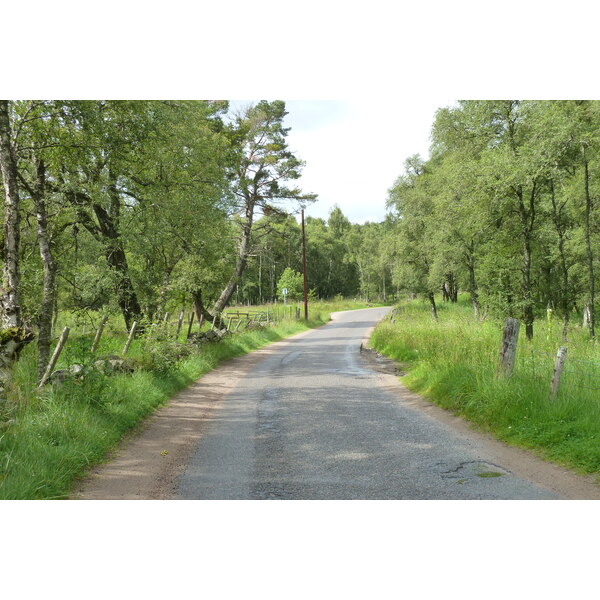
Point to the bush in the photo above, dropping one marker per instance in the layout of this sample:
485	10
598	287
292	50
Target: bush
293	282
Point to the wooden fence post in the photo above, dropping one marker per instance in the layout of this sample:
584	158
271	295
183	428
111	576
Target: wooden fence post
179	323
99	333
559	363
508	349
190	325
133	328
61	342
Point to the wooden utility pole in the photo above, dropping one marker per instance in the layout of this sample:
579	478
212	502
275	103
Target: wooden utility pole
304	269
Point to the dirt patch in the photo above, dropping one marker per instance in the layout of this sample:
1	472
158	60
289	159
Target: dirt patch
380	363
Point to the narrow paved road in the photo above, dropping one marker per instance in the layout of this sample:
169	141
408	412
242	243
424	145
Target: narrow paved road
316	421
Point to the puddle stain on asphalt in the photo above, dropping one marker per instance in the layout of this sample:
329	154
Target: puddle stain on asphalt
467	470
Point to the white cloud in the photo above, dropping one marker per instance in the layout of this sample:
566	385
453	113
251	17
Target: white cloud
354	150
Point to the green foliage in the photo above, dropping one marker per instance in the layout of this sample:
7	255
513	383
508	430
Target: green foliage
160	352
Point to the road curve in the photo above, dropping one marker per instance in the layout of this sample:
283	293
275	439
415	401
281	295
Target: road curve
314	420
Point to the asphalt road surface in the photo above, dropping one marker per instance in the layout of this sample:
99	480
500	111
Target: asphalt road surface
316	420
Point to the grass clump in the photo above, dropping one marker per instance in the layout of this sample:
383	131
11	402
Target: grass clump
453	361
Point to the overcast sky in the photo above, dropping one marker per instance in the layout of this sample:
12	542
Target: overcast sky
355	149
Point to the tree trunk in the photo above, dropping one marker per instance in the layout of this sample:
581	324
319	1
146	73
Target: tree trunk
450	288
9	294
528	300
433	307
49	287
445	296
126	296
527	220
588	249
558	225
14	336
454	298
242	259
472	281
115	255
202	313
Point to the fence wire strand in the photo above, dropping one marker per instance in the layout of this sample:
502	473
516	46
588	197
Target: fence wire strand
577	373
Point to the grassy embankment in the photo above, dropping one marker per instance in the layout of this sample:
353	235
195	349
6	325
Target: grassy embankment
453	363
48	438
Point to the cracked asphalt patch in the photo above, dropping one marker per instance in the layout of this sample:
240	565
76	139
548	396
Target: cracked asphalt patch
474	468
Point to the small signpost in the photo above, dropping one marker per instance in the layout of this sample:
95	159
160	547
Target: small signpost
284	291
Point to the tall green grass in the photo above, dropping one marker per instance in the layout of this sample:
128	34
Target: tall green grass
49	438
453	362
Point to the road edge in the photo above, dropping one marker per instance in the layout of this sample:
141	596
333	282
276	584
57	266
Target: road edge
521	462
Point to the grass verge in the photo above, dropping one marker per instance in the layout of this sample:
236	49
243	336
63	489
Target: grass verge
453	362
49	438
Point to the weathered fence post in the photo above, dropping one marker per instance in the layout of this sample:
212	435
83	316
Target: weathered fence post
229	323
238	324
166	317
189	331
559	363
179	323
99	333
131	333
61	342
213	322
508	349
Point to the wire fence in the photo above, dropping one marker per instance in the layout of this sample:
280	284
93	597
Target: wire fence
576	373
170	328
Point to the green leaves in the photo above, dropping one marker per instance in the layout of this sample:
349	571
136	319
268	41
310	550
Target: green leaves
293	282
